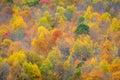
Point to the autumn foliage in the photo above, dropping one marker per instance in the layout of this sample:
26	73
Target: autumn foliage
59	39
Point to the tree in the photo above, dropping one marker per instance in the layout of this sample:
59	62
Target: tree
115	25
106	16
16	9
88	14
16	56
4	31
41	43
55	35
55	57
115	68
46	19
32	70
4	70
81	19
34	58
77	72
16	23
70	11
47	69
82	29
108	50
30	3
60	13
14	47
104	65
15	61
93	61
44	2
83	47
42	32
10	1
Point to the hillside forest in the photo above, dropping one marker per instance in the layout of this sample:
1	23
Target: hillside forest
59	39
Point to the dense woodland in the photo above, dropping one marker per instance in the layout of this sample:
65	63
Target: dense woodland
59	39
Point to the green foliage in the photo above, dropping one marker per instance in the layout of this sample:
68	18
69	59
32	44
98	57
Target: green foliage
10	1
59	40
32	70
77	71
104	66
67	63
55	56
30	3
82	29
46	66
70	11
80	64
81	19
46	19
60	13
34	58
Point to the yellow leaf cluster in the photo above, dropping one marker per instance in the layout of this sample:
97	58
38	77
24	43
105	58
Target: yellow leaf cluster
93	61
16	58
42	31
115	25
61	20
94	25
106	16
83	42
88	14
6	42
16	9
17	22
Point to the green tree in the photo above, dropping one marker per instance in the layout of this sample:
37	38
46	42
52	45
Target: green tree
81	19
30	3
82	29
32	70
47	70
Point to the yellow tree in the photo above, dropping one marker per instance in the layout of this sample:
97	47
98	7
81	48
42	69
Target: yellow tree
16	23
41	43
83	47
106	16
46	20
115	25
32	71
15	61
88	14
